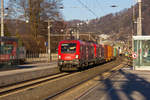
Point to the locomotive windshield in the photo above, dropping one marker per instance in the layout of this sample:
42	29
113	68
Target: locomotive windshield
6	49
68	48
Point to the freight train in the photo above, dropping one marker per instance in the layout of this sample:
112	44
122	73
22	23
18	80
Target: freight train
77	54
10	52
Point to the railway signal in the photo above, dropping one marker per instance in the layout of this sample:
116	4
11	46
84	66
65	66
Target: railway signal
134	55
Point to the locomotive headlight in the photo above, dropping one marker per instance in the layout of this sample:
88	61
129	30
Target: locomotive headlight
77	56
59	57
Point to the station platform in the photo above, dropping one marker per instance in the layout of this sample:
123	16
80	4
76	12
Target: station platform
126	84
27	72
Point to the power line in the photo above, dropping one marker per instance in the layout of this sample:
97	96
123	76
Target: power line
87	8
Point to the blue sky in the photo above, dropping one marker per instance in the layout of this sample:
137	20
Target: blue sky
74	10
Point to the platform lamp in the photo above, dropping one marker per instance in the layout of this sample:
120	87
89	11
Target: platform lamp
49	38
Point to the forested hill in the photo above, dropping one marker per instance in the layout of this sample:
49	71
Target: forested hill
120	24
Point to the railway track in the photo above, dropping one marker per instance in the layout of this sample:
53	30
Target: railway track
103	75
50	87
28	84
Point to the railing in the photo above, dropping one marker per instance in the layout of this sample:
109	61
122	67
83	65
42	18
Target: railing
41	57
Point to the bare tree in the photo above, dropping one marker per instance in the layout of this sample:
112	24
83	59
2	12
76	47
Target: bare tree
35	12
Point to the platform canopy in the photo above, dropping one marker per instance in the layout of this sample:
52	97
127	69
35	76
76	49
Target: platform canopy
141	37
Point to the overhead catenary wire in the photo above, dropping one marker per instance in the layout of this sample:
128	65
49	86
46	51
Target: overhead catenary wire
87	8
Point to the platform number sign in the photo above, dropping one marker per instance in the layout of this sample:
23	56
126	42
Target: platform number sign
134	55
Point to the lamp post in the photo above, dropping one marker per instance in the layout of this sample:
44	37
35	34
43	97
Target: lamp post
49	40
77	33
2	18
139	23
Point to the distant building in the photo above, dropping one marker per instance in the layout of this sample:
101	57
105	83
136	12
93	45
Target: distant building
104	36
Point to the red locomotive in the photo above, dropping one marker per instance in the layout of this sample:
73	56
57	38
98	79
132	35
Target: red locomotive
77	54
10	52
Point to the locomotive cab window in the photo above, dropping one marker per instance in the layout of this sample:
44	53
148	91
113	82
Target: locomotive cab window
6	49
68	48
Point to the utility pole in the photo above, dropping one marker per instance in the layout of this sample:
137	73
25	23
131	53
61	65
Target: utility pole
89	35
49	40
77	34
78	28
133	19
139	31
2	18
139	23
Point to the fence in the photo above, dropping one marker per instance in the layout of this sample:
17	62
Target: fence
41	57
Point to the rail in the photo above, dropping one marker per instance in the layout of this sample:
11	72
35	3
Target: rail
4	91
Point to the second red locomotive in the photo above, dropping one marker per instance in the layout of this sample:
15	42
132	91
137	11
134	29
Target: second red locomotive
10	51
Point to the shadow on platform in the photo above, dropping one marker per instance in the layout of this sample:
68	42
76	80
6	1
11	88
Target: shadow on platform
133	84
